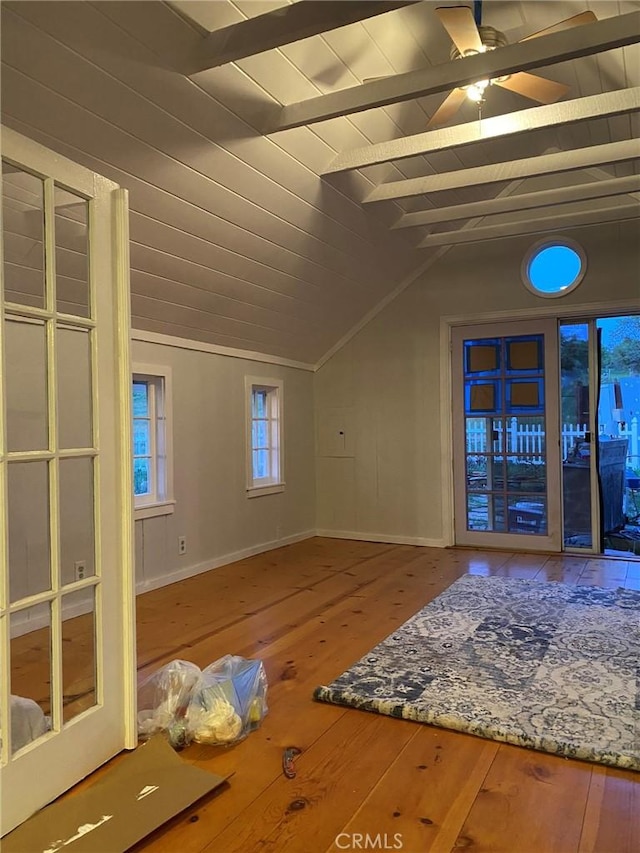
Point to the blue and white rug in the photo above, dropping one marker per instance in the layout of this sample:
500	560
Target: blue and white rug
542	665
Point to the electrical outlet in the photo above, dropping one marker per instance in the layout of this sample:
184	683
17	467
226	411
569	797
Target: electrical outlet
80	569
182	544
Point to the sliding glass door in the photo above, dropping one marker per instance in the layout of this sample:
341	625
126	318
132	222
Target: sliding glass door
546	434
600	409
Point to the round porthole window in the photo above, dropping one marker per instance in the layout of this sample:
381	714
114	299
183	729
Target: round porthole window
554	267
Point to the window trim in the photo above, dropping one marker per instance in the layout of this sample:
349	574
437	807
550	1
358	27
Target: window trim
163	504
271	485
547	243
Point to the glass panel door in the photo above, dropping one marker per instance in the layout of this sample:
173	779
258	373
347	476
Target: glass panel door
505	423
577	436
619	433
67	651
600	405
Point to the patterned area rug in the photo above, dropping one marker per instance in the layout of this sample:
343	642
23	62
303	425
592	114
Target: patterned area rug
542	665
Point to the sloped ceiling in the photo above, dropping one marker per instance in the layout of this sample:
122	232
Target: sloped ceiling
280	241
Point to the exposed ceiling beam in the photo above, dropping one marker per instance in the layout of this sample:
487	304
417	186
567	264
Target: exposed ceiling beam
526	201
279	27
545	164
524	121
602	175
552	221
593	38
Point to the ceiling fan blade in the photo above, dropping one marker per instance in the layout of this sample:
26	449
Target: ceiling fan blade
448	108
459	22
537	88
575	21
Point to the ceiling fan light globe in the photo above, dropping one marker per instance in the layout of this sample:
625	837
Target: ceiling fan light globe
475	92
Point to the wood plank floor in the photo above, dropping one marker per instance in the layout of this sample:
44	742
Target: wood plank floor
309	611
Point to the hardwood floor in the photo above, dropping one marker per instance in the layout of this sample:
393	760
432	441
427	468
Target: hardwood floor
310	610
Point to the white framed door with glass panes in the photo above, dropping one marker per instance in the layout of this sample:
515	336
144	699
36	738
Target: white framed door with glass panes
506	435
67	629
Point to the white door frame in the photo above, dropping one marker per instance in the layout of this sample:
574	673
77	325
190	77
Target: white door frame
447	323
48	766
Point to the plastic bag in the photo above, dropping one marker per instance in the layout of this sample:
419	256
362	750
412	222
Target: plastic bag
228	702
28	722
163	699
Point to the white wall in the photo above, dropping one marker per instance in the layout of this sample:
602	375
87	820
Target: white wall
382	479
212	508
369	466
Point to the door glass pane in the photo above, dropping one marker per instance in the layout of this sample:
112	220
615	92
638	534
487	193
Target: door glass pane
74	388
477	468
26	384
482	357
78	653
498	520
496	473
477	512
526	474
526	435
504	432
524	395
28	505
576	447
77	539
528	515
30	685
483	397
523	354
486	512
619	433
72	260
23	235
484	435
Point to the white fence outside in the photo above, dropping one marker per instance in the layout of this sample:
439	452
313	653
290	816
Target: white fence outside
529	438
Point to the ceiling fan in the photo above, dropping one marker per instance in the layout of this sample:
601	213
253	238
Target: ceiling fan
470	36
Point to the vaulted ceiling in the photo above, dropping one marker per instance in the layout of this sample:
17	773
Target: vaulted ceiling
276	198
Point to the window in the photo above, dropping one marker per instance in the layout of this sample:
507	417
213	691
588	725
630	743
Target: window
152	458
264	436
554	267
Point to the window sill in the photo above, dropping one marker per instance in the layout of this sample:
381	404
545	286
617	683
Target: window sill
271	489
152	510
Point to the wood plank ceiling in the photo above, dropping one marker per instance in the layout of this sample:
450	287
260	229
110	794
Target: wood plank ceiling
280	241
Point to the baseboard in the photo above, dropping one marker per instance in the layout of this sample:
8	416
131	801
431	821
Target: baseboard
208	565
383	537
23	626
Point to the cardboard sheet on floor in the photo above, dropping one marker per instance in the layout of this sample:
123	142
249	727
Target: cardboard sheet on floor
139	794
